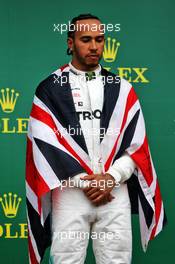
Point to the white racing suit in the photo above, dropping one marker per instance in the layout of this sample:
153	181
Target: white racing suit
74	218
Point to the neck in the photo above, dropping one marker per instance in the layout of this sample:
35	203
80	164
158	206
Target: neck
81	67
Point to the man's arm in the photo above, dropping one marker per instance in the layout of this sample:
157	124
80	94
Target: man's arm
123	168
119	172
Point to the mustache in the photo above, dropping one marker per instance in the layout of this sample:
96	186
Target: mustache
93	54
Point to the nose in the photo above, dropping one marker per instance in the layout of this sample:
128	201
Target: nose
93	45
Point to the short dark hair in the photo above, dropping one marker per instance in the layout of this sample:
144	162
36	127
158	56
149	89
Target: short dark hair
71	31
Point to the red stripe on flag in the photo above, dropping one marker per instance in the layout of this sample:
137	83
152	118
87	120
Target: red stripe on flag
64	66
131	99
34	179
158	204
143	160
31	252
45	118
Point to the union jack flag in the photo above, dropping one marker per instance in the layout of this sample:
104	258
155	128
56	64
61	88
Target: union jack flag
54	155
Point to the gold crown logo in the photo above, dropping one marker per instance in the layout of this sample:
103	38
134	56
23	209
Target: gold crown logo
110	50
8	100
10	205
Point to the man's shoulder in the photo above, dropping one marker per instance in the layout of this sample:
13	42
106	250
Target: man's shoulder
106	72
51	80
124	84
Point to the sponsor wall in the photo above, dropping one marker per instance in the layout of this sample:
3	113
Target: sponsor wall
139	48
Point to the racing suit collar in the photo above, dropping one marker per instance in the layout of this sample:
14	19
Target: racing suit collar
83	73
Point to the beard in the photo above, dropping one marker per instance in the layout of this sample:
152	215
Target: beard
86	61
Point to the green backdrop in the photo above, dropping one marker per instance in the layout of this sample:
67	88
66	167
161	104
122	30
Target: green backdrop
30	50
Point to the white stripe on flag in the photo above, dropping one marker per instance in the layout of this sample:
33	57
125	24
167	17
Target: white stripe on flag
80	152
131	114
43	132
32	197
46	206
139	135
154	182
116	120
146	189
34	246
44	168
160	222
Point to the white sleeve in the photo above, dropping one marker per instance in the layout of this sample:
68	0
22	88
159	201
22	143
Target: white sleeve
122	168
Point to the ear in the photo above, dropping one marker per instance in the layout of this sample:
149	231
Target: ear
70	43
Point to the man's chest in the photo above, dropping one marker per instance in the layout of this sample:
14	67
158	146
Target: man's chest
88	98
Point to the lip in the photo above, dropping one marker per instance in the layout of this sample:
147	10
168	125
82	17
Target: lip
93	56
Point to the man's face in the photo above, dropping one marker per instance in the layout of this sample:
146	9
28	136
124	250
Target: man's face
88	43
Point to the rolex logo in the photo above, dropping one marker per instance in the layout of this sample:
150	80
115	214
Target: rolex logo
8	100
110	49
10	204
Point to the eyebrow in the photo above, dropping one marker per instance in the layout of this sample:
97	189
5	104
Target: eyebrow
87	36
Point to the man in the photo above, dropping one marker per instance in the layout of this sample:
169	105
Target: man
88	155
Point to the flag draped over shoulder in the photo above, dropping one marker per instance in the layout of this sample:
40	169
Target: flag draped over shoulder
54	154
